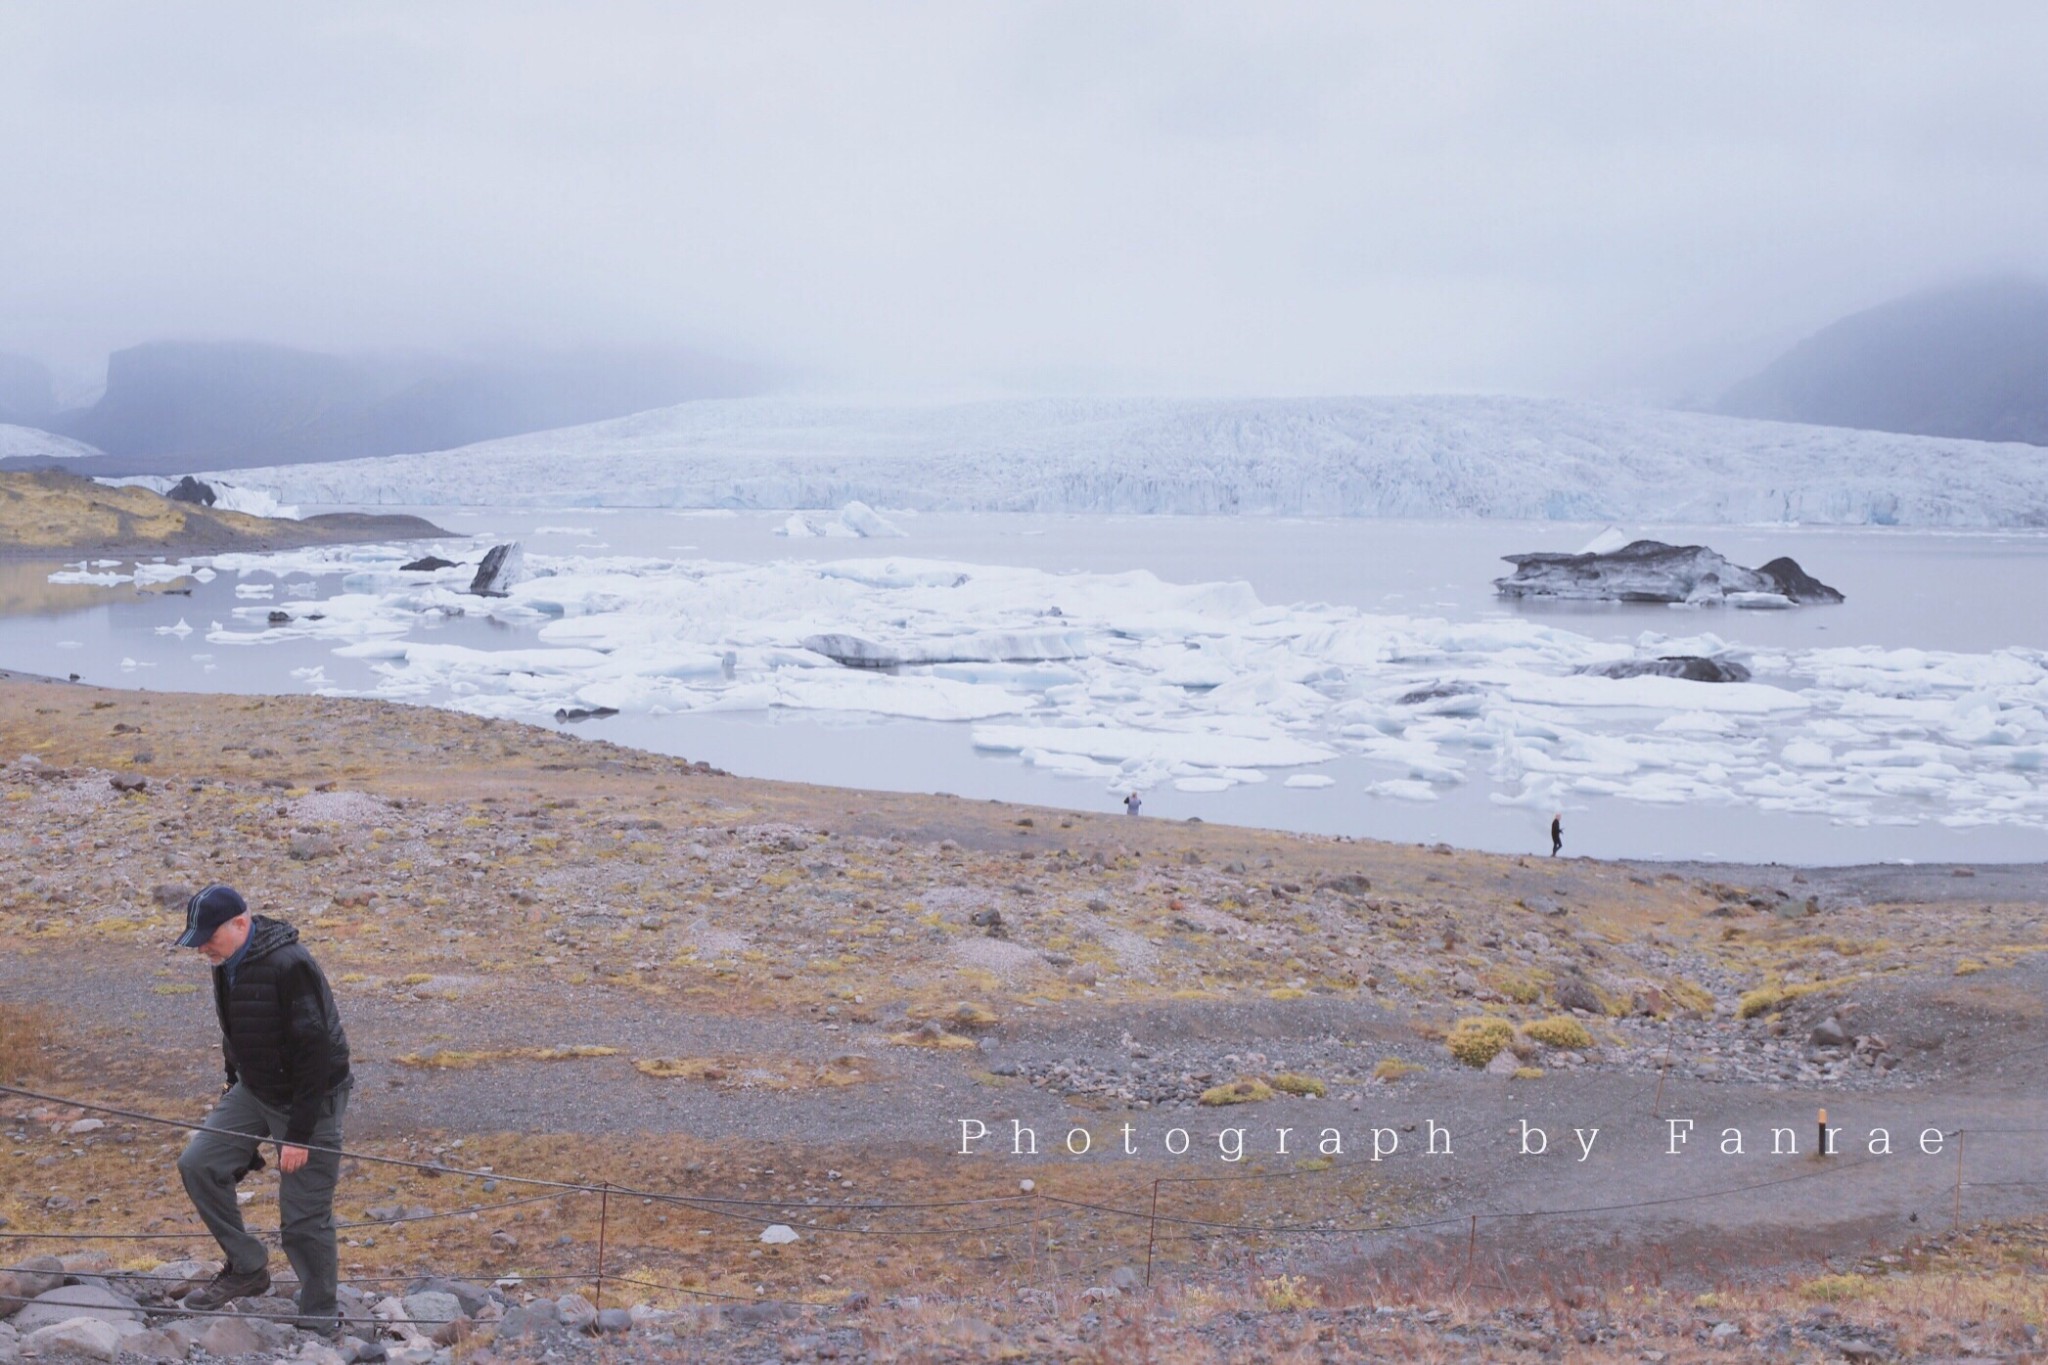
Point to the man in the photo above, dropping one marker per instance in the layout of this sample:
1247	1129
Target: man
1132	803
288	1080
1556	833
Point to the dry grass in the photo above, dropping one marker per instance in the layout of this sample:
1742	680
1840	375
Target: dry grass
25	1031
1477	1041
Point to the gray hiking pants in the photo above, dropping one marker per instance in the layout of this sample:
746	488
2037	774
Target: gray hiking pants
221	1151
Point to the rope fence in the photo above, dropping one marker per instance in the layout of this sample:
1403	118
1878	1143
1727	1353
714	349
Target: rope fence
1162	1226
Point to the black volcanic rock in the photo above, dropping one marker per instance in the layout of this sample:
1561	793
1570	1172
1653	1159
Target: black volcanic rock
1968	361
191	490
1691	667
1651	571
1796	583
427	564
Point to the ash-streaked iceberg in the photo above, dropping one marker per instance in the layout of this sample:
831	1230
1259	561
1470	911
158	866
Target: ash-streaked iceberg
1651	571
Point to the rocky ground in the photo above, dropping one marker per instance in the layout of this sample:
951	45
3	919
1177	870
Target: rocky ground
745	1005
50	513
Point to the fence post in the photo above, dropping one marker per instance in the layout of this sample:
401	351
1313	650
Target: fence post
1471	1246
1957	1220
1152	1237
604	1201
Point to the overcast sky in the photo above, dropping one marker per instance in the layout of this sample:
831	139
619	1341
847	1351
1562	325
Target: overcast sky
1052	197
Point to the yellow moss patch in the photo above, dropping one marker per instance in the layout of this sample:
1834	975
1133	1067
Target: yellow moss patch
1288	1293
1766	998
945	1042
416	979
1560	1031
1687	995
1969	967
1246	1091
681	1068
1522	987
1292	1083
1286	993
1477	1041
449	1059
1393	1069
1835	1288
175	990
1528	1073
961	1014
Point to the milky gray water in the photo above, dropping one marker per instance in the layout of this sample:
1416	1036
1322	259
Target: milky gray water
1965	592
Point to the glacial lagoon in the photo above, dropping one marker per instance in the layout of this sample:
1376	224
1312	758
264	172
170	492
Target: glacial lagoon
1267	671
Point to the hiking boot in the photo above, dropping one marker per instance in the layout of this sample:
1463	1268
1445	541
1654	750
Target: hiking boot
228	1286
327	1327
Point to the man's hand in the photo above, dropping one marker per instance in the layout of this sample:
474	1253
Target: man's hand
290	1158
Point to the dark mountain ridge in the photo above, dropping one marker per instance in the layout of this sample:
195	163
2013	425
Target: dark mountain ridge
173	406
1969	361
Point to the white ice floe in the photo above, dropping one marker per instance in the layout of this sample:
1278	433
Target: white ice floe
856	519
227	497
1607	542
1128	681
1434	456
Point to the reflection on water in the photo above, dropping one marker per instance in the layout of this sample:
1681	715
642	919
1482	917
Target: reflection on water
26	589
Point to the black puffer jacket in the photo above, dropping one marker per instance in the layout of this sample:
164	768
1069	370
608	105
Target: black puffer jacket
280	1031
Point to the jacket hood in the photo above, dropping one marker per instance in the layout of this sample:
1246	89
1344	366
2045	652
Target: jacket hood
267	935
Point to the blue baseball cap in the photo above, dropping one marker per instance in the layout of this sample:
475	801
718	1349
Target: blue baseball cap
207	911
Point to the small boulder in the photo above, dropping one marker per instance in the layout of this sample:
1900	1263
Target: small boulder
69	1301
1576	993
430	1309
471	1297
578	1313
306	847
613	1321
155	1344
426	564
128	782
225	1337
1829	1033
27	1280
74	1339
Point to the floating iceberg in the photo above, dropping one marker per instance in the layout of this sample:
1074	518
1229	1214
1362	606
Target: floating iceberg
1130	681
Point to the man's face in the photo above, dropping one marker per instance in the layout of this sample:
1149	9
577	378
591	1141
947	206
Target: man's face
226	940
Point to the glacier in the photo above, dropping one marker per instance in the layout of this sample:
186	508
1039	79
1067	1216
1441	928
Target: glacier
35	443
1432	456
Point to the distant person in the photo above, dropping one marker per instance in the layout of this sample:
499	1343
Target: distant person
1556	833
1132	803
288	1080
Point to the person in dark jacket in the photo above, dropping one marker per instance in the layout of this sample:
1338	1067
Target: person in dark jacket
287	1080
1556	833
